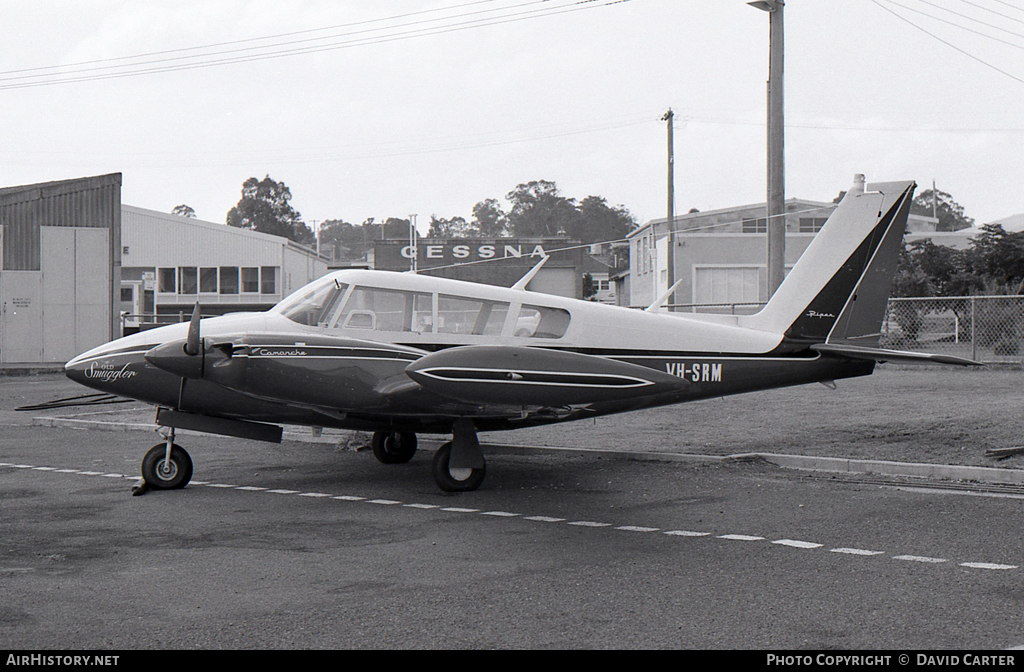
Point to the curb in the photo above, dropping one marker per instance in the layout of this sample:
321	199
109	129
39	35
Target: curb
801	462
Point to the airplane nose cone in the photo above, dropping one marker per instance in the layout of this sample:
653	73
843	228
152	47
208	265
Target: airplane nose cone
173	358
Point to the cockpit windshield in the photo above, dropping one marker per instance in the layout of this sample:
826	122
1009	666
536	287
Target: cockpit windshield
313	306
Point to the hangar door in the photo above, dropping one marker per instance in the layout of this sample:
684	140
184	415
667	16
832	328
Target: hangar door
63	309
20	317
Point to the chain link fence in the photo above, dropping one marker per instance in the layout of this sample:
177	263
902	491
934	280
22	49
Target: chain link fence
984	328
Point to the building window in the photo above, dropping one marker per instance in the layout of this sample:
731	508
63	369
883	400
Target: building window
755	225
229	280
208	280
812	224
726	285
250	280
166	280
268	280
188	280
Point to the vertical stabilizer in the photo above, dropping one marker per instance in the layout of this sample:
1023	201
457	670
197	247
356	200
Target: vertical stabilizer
839	288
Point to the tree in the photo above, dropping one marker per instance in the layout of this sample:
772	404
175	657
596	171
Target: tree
538	210
950	213
999	257
347	241
456	227
490	219
598	222
264	207
183	211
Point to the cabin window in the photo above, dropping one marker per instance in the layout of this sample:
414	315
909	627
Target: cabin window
541	322
313	307
460	315
388	310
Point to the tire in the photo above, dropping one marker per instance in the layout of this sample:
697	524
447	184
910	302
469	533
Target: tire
461	480
160	475
393	447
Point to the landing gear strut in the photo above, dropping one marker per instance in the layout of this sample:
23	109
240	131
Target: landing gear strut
393	447
459	465
455	479
167	466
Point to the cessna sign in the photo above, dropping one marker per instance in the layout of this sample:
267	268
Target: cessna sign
397	255
494	261
490	251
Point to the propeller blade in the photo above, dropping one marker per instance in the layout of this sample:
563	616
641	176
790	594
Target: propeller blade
193	344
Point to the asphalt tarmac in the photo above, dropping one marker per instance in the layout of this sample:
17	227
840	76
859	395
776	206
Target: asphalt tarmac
307	546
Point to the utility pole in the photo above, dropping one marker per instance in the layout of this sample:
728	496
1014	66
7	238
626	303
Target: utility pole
414	253
776	145
671	217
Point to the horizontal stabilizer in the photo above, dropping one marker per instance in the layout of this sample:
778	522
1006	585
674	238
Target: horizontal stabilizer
883	355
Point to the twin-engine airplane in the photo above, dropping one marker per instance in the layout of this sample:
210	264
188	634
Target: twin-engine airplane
401	353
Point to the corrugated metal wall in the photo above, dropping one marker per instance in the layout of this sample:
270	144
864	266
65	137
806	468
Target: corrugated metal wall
58	300
92	202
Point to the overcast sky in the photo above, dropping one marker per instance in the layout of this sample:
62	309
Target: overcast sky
394	107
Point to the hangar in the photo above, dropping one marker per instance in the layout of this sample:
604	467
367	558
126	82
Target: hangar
79	268
169	262
720	255
60	273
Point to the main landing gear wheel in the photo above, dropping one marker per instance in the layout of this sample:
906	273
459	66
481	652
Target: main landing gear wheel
393	447
455	480
163	474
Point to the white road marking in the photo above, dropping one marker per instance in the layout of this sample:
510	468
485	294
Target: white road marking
797	544
986	565
546	519
687	533
919	558
856	551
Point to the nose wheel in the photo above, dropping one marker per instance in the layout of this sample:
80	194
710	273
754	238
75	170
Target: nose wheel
165	469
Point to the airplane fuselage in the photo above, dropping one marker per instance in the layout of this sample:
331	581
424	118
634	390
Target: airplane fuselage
355	365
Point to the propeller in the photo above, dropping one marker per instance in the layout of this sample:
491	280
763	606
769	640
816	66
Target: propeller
194	343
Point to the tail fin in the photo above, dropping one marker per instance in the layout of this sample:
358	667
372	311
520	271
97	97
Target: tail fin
838	290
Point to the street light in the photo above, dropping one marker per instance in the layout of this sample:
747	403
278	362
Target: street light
776	146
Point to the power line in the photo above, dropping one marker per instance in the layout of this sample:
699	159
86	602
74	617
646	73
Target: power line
962	27
349	39
947	43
